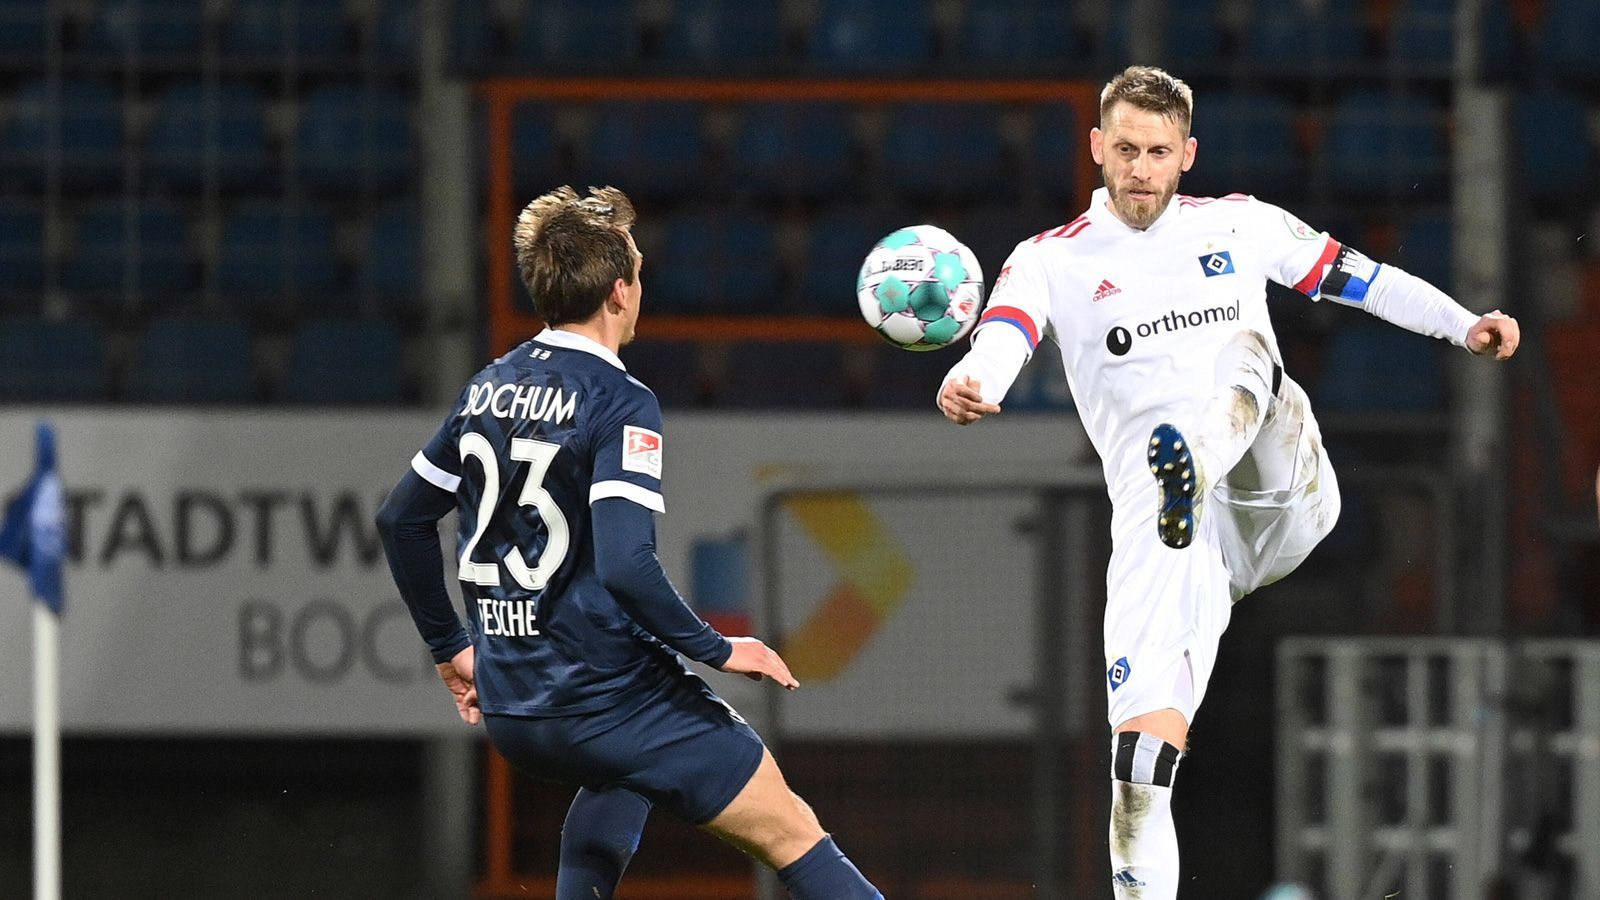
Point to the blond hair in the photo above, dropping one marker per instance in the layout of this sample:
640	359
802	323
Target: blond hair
1152	90
571	249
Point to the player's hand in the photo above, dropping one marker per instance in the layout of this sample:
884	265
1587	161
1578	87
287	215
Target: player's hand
961	401
753	659
458	677
1496	332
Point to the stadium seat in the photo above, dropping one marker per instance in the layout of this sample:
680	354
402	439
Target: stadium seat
190	360
100	258
723	34
786	374
25	26
671	369
1007	35
597	34
44	361
345	363
1246	144
152	27
943	150
1190	33
265	250
1377	368
90	116
1386	144
1566	39
193	130
713	262
1059	141
992	231
793	150
839	240
1292	33
1425	250
657	149
391	267
21	249
315	30
535	148
350	137
1554	153
1422	33
883	36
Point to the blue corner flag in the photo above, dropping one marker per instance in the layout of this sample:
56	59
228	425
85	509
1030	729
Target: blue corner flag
33	533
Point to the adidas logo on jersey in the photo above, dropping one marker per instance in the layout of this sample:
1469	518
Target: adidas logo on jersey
1105	290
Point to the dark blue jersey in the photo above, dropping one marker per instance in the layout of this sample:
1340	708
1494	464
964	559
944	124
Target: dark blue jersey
535	438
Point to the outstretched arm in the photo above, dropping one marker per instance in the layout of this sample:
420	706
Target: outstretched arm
625	559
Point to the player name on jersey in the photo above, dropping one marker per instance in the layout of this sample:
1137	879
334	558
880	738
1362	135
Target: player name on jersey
507	618
520	401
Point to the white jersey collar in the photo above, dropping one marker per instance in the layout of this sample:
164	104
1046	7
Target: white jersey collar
573	341
1100	211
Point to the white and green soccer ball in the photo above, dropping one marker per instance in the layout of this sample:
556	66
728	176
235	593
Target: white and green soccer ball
920	288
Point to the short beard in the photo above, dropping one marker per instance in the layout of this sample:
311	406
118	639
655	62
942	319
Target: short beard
1139	215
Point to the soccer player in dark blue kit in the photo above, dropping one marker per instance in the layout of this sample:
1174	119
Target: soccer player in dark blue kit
552	458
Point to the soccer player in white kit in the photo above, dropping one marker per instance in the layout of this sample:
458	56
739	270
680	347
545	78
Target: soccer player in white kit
1158	304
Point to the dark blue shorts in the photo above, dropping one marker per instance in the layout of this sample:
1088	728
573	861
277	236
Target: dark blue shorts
677	744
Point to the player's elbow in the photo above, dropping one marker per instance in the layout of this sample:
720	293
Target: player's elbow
388	517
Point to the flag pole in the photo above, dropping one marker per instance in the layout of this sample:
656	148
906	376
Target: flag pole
46	756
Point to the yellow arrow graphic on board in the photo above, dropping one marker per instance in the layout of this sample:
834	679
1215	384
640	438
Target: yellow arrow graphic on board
877	576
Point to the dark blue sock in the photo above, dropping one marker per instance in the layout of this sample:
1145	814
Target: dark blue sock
597	842
824	873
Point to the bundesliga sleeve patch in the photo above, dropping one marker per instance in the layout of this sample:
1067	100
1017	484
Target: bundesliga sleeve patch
1350	276
641	451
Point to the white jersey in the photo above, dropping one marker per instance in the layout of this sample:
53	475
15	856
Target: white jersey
1140	316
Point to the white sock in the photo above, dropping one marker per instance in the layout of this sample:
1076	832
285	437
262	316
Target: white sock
1144	843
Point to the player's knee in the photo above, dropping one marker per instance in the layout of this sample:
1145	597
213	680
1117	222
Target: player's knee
1138	758
613	848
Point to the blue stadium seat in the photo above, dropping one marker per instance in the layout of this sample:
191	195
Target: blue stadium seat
265	250
344	363
43	361
100	259
671	369
1554	153
793	150
25	26
1378	143
391	268
944	150
881	36
191	131
153	27
1190	32
1290	33
1041	386
579	33
713	262
351	137
656	149
1005	35
1246	144
725	33
1059	142
786	374
840	240
535	148
1425	250
315	30
1423	32
1377	368
21	249
1566	39
90	115
190	360
992	231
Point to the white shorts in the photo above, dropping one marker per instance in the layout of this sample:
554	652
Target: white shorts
1166	609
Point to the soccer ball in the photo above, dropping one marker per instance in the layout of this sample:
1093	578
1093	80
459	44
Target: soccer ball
920	288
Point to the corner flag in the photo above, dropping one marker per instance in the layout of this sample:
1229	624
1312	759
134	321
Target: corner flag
32	534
